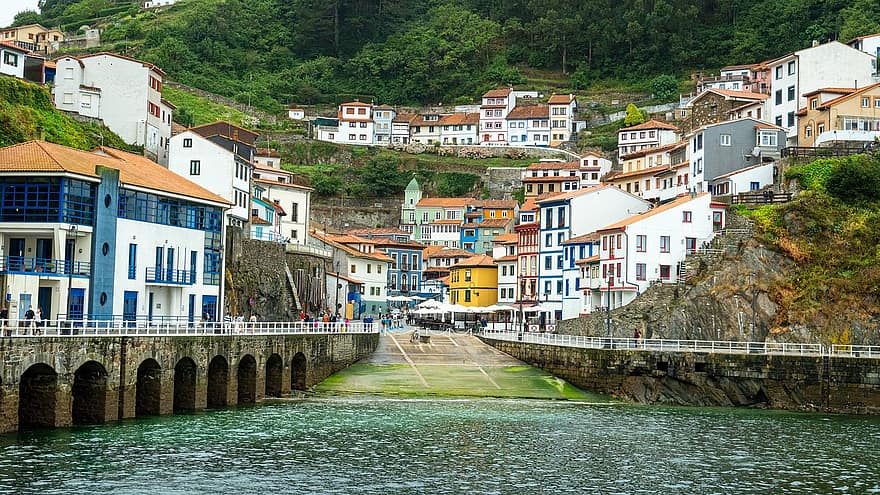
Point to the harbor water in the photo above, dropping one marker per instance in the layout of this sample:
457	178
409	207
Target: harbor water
331	444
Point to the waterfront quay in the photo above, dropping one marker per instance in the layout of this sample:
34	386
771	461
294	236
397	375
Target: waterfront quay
96	375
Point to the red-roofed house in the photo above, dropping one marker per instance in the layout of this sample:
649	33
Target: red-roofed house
529	125
459	128
494	107
650	134
562	113
356	124
840	115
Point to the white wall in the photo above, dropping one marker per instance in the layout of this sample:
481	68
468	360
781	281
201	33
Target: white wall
286	196
217	169
13	70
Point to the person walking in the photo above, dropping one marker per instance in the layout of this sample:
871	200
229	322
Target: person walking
4	321
637	334
29	319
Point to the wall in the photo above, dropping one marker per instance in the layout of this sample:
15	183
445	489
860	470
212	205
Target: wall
802	383
121	357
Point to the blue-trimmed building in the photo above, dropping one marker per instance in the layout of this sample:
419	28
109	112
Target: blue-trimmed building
579	251
405	269
106	235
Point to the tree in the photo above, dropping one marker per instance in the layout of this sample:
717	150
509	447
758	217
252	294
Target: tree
26	17
381	175
664	87
634	116
856	180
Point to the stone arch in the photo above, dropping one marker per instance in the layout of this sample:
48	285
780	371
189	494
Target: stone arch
218	382
247	380
185	385
148	392
89	394
274	369
37	396
298	370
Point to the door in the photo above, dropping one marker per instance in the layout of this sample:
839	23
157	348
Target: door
157	267
150	307
24	303
44	302
717	221
16	255
690	245
43	254
76	304
129	306
69	250
169	267
209	307
192	309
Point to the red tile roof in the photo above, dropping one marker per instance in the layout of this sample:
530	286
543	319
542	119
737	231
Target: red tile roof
442	202
651	124
554	166
529	112
480	260
561	99
621	225
497	93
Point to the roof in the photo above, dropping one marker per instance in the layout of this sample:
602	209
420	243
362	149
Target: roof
651	124
554	166
745	169
495	222
177	128
404	117
530	204
496	93
355	104
348	249
480	260
227	130
12	46
621	225
378	231
529	112
442	202
638	173
349	239
345	277
123	57
584	261
845	97
134	170
561	99
290	185
552	178
267	152
841	91
741	95
460	119
447	222
738	67
255	220
572	194
655	149
583	238
508	238
503	204
767	125
509	257
448	253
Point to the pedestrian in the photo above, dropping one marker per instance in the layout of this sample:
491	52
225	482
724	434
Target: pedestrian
637	334
4	321
38	320
29	319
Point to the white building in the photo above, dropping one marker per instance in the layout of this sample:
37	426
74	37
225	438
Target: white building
869	44
650	247
529	125
562	113
593	167
125	93
459	128
268	158
650	134
496	104
108	235
356	124
832	64
12	59
216	168
425	128
295	201
744	180
358	258
295	113
400	128
504	253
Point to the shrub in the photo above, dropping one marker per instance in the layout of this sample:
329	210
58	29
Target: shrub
856	180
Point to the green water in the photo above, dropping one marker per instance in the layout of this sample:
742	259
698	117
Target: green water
371	445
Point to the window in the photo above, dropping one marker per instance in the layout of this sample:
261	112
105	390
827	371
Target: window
767	138
353	268
791	93
467	275
195	167
187	142
687	216
548	263
664	243
10	58
814	102
778	97
866	101
641	243
132	261
779	72
68	98
559	262
640	271
790	119
808	131
378	268
791	68
68	73
467	296
820	128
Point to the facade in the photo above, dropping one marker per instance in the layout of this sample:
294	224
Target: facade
14	59
425	129
570	215
840	115
527	259
356	124
562	113
436	261
295	113
869	44
358	258
551	177
265	217
429	211
34	37
125	93
746	179
459	128
650	247
218	157
650	134
504	253
473	282
106	235
383	115
732	77
295	200
405	269
529	125
267	158
400	128
593	167
578	249
495	106
831	64
716	105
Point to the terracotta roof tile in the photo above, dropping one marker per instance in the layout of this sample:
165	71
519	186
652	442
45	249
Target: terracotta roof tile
554	166
505	204
480	260
747	95
497	93
442	202
638	173
649	151
509	257
267	152
507	238
561	99
445	252
651	124
460	119
590	237
529	112
653	211
355	104
559	178
573	194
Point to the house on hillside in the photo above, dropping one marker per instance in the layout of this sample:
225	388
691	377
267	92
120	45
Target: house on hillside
473	282
296	113
358	258
356	124
383	116
578	250
33	37
400	128
106	235
869	44
265	216
405	269
529	125
716	105
551	177
495	106
562	113
21	63
732	77
267	157
292	198
459	128
840	116
425	128
593	167
124	93
650	134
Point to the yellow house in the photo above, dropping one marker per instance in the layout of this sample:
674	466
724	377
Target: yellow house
474	282
835	115
33	37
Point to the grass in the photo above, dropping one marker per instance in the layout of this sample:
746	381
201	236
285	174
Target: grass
203	110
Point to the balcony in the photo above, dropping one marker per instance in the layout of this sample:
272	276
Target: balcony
405	267
161	276
44	266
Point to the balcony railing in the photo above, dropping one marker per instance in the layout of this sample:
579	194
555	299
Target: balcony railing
158	275
44	266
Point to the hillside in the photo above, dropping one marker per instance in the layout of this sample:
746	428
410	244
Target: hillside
274	52
27	112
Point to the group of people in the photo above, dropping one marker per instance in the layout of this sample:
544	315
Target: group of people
31	325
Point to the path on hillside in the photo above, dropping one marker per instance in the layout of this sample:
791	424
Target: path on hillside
448	365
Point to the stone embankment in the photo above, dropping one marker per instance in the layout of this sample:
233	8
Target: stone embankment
799	383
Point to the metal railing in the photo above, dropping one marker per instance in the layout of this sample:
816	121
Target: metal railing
760	198
158	275
122	328
44	266
672	345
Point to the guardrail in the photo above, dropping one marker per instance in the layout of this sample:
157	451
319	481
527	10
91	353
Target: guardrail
671	345
105	328
44	266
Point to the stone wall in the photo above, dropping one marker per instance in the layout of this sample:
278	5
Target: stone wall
341	213
43	371
502	181
801	383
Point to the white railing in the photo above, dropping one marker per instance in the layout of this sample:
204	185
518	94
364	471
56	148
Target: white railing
671	345
116	328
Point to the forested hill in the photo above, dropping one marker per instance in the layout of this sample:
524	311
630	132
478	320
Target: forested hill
429	51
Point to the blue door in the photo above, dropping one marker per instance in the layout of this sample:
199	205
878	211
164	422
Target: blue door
16	255
192	309
160	256
209	307
129	306
44	302
170	266
76	304
150	307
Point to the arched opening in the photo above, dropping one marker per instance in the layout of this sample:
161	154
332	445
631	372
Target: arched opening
36	397
298	372
247	380
89	394
149	388
185	386
218	382
274	367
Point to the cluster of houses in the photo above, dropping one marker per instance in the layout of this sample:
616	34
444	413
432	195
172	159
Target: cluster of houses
504	118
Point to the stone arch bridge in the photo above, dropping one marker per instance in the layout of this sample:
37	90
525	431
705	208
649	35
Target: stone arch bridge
48	382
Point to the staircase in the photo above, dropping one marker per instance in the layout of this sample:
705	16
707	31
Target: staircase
725	241
293	289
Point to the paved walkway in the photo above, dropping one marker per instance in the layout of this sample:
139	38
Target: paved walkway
448	364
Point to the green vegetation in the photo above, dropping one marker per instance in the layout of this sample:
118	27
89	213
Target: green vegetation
274	52
634	116
27	112
195	110
832	232
454	184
